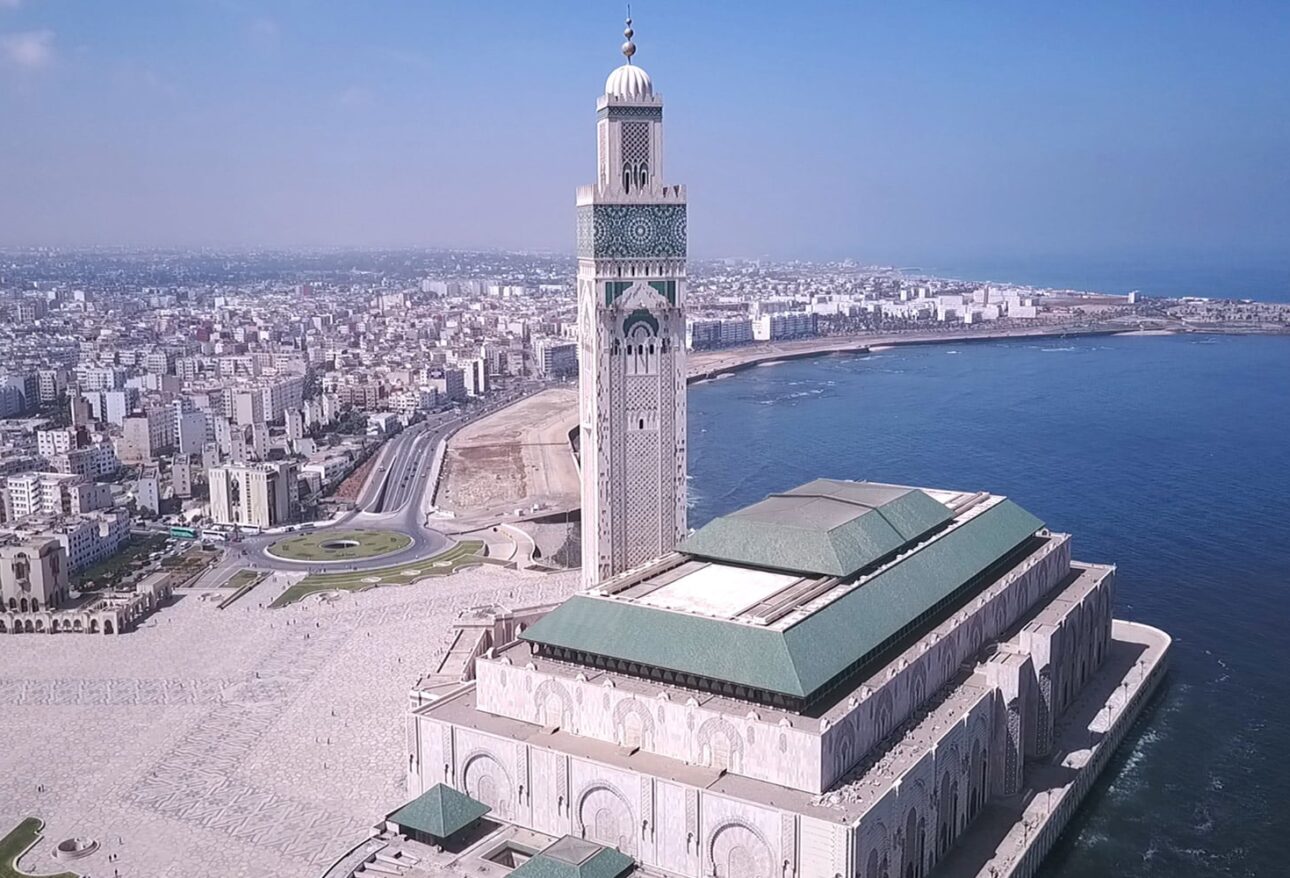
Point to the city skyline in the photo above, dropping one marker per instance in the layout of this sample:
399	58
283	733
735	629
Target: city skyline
931	135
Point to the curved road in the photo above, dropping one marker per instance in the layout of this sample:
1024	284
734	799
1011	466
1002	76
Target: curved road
394	498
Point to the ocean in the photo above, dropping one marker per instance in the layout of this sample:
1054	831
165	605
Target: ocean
1166	455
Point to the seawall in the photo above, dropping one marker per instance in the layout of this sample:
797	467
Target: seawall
1013	837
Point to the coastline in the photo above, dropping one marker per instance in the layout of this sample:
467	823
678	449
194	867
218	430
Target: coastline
707	365
527	426
498	483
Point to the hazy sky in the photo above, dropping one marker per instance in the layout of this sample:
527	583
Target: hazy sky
892	132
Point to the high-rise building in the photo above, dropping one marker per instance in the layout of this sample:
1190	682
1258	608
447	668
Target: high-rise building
257	495
631	322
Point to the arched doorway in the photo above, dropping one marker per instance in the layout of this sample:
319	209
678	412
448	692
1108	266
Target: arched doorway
484	779
605	818
737	851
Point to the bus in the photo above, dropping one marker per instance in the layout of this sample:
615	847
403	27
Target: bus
183	533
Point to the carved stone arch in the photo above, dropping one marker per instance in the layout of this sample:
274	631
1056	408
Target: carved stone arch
883	714
918	686
604	816
917	794
720	742
736	849
633	725
976	629
844	749
483	777
1000	613
946	660
878	860
551	700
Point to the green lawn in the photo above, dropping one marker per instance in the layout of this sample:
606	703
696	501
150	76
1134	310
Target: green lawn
16	843
366	544
243	578
464	554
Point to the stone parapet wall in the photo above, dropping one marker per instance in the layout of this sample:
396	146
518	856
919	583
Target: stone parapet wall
904	686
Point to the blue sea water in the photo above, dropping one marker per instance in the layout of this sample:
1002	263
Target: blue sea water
1169	456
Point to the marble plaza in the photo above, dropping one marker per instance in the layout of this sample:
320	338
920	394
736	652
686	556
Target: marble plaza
225	743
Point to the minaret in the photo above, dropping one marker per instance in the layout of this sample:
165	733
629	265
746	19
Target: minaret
631	327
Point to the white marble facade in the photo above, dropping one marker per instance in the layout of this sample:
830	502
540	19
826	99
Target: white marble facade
880	784
631	323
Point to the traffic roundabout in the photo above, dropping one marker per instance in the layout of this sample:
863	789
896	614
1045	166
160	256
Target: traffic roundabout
328	546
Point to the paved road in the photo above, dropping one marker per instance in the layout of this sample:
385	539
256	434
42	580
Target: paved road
394	498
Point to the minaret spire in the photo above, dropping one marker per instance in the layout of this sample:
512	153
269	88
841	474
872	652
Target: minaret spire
629	48
631	335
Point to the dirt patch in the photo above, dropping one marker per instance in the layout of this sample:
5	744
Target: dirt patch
515	458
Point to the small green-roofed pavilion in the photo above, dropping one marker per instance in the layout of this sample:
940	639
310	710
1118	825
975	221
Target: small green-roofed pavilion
571	857
439	812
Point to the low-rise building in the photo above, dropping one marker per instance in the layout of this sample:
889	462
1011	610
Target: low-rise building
784	325
555	357
95	461
383	424
53	494
33	574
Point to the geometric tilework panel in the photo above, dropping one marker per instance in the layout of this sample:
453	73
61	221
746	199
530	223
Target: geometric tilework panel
631	231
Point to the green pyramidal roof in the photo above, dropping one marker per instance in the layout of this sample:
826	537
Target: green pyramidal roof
827	527
801	658
571	857
439	811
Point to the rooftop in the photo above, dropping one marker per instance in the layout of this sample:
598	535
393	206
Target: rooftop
827	527
791	630
440	811
571	857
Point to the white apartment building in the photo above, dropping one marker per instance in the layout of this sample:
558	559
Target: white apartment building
555	357
791	324
54	494
255	495
718	332
94	461
52	442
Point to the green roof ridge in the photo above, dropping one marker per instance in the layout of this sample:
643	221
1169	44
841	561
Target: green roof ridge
809	653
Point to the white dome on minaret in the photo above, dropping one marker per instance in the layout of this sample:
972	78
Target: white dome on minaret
629	81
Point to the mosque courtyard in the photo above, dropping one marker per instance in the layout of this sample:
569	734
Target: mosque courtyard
226	743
